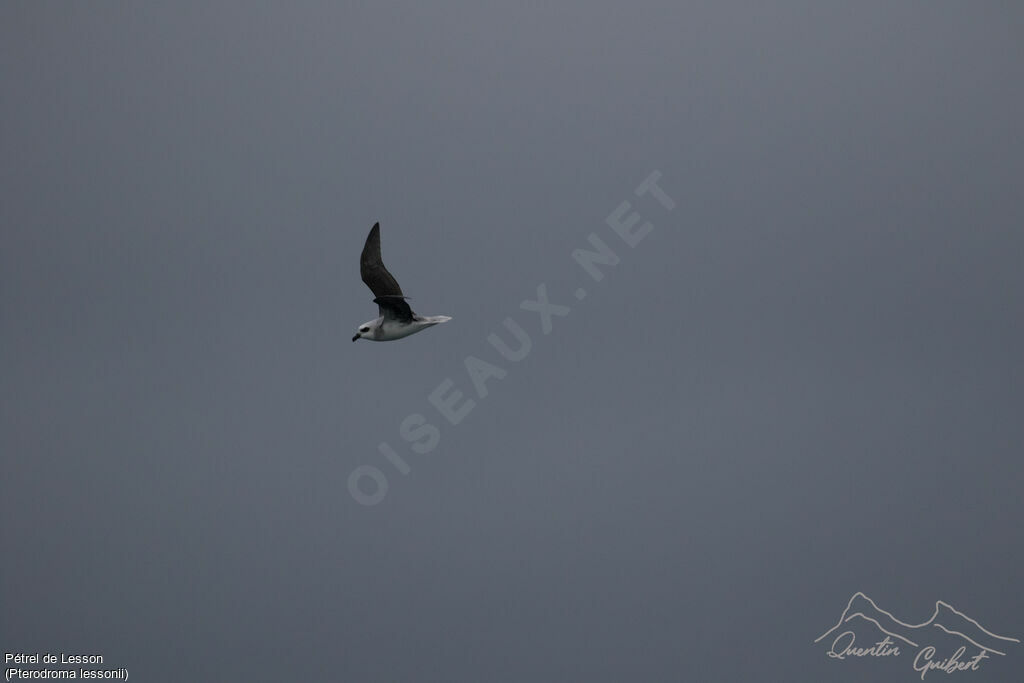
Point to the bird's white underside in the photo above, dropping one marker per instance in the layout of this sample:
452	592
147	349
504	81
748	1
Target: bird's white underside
384	329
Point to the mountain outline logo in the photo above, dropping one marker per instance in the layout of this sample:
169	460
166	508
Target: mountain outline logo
935	640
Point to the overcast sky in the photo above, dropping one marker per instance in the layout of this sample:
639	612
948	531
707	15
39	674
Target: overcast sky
803	380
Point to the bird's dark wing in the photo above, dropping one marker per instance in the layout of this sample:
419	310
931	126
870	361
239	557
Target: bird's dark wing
395	308
372	270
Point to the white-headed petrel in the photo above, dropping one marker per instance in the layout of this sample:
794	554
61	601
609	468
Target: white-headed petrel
396	318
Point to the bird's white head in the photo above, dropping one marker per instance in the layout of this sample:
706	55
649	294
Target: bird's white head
365	330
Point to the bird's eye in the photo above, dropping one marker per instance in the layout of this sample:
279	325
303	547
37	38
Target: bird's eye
364	329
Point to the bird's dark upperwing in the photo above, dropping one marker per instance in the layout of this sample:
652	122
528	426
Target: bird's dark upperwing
372	270
394	307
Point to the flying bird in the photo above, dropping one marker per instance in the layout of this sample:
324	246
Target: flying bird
396	318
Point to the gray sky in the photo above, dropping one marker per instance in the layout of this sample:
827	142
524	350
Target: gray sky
805	381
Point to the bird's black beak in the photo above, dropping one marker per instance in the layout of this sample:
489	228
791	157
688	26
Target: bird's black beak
355	337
